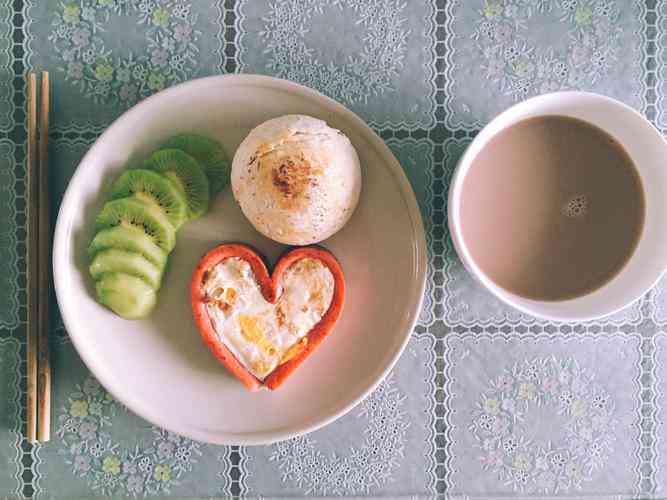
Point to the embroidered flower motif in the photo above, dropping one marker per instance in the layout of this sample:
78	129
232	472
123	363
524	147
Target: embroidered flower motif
566	398
371	71
583	15
558	460
156	81
161	17
579	408
159	57
515	63
372	462
147	6
81	37
183	454
488	444
504	383
64	31
78	38
177	62
569	4
95	408
599	401
135	484
183	33
79	408
165	449
123	75
88	56
96	449
162	473
527	391
492	459
509	405
87	430
71	426
145	464
111	465
106	466
510	445
104	72
486	421
493	9
88	14
491	406
181	11
549	384
129	467
521	462
499	425
75	70
71	13
81	463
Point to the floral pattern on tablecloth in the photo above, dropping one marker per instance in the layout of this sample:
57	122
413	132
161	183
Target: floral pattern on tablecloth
448	67
565	389
103	76
106	464
523	48
539	415
376	449
374	56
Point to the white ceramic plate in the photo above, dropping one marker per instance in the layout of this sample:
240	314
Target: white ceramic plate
159	367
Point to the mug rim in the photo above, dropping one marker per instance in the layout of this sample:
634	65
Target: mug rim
454	201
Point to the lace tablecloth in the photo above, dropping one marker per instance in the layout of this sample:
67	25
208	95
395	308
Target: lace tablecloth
485	401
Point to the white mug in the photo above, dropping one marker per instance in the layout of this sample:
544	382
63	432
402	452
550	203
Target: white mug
647	148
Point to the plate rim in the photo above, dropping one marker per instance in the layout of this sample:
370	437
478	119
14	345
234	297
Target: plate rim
62	250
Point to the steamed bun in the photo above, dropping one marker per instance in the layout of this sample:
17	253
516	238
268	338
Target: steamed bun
296	179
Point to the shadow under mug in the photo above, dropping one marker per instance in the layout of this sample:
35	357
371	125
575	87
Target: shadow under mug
647	148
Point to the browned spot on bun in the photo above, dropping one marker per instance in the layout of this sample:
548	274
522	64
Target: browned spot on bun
292	178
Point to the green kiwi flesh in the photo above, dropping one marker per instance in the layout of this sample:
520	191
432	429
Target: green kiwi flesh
151	187
128	238
187	174
209	154
113	260
128	296
141	215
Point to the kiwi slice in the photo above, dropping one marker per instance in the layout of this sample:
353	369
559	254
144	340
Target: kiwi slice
209	154
122	261
126	295
186	173
151	187
148	217
131	239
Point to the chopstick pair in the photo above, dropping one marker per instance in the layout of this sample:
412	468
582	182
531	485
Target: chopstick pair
39	266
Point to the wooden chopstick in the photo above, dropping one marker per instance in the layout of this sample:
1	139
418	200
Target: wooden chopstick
44	259
38	406
32	261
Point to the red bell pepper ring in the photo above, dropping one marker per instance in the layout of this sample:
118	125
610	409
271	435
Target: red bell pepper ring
269	285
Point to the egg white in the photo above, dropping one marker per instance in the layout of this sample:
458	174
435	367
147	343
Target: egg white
306	292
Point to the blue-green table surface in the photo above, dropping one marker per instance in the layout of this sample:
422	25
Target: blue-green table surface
485	401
